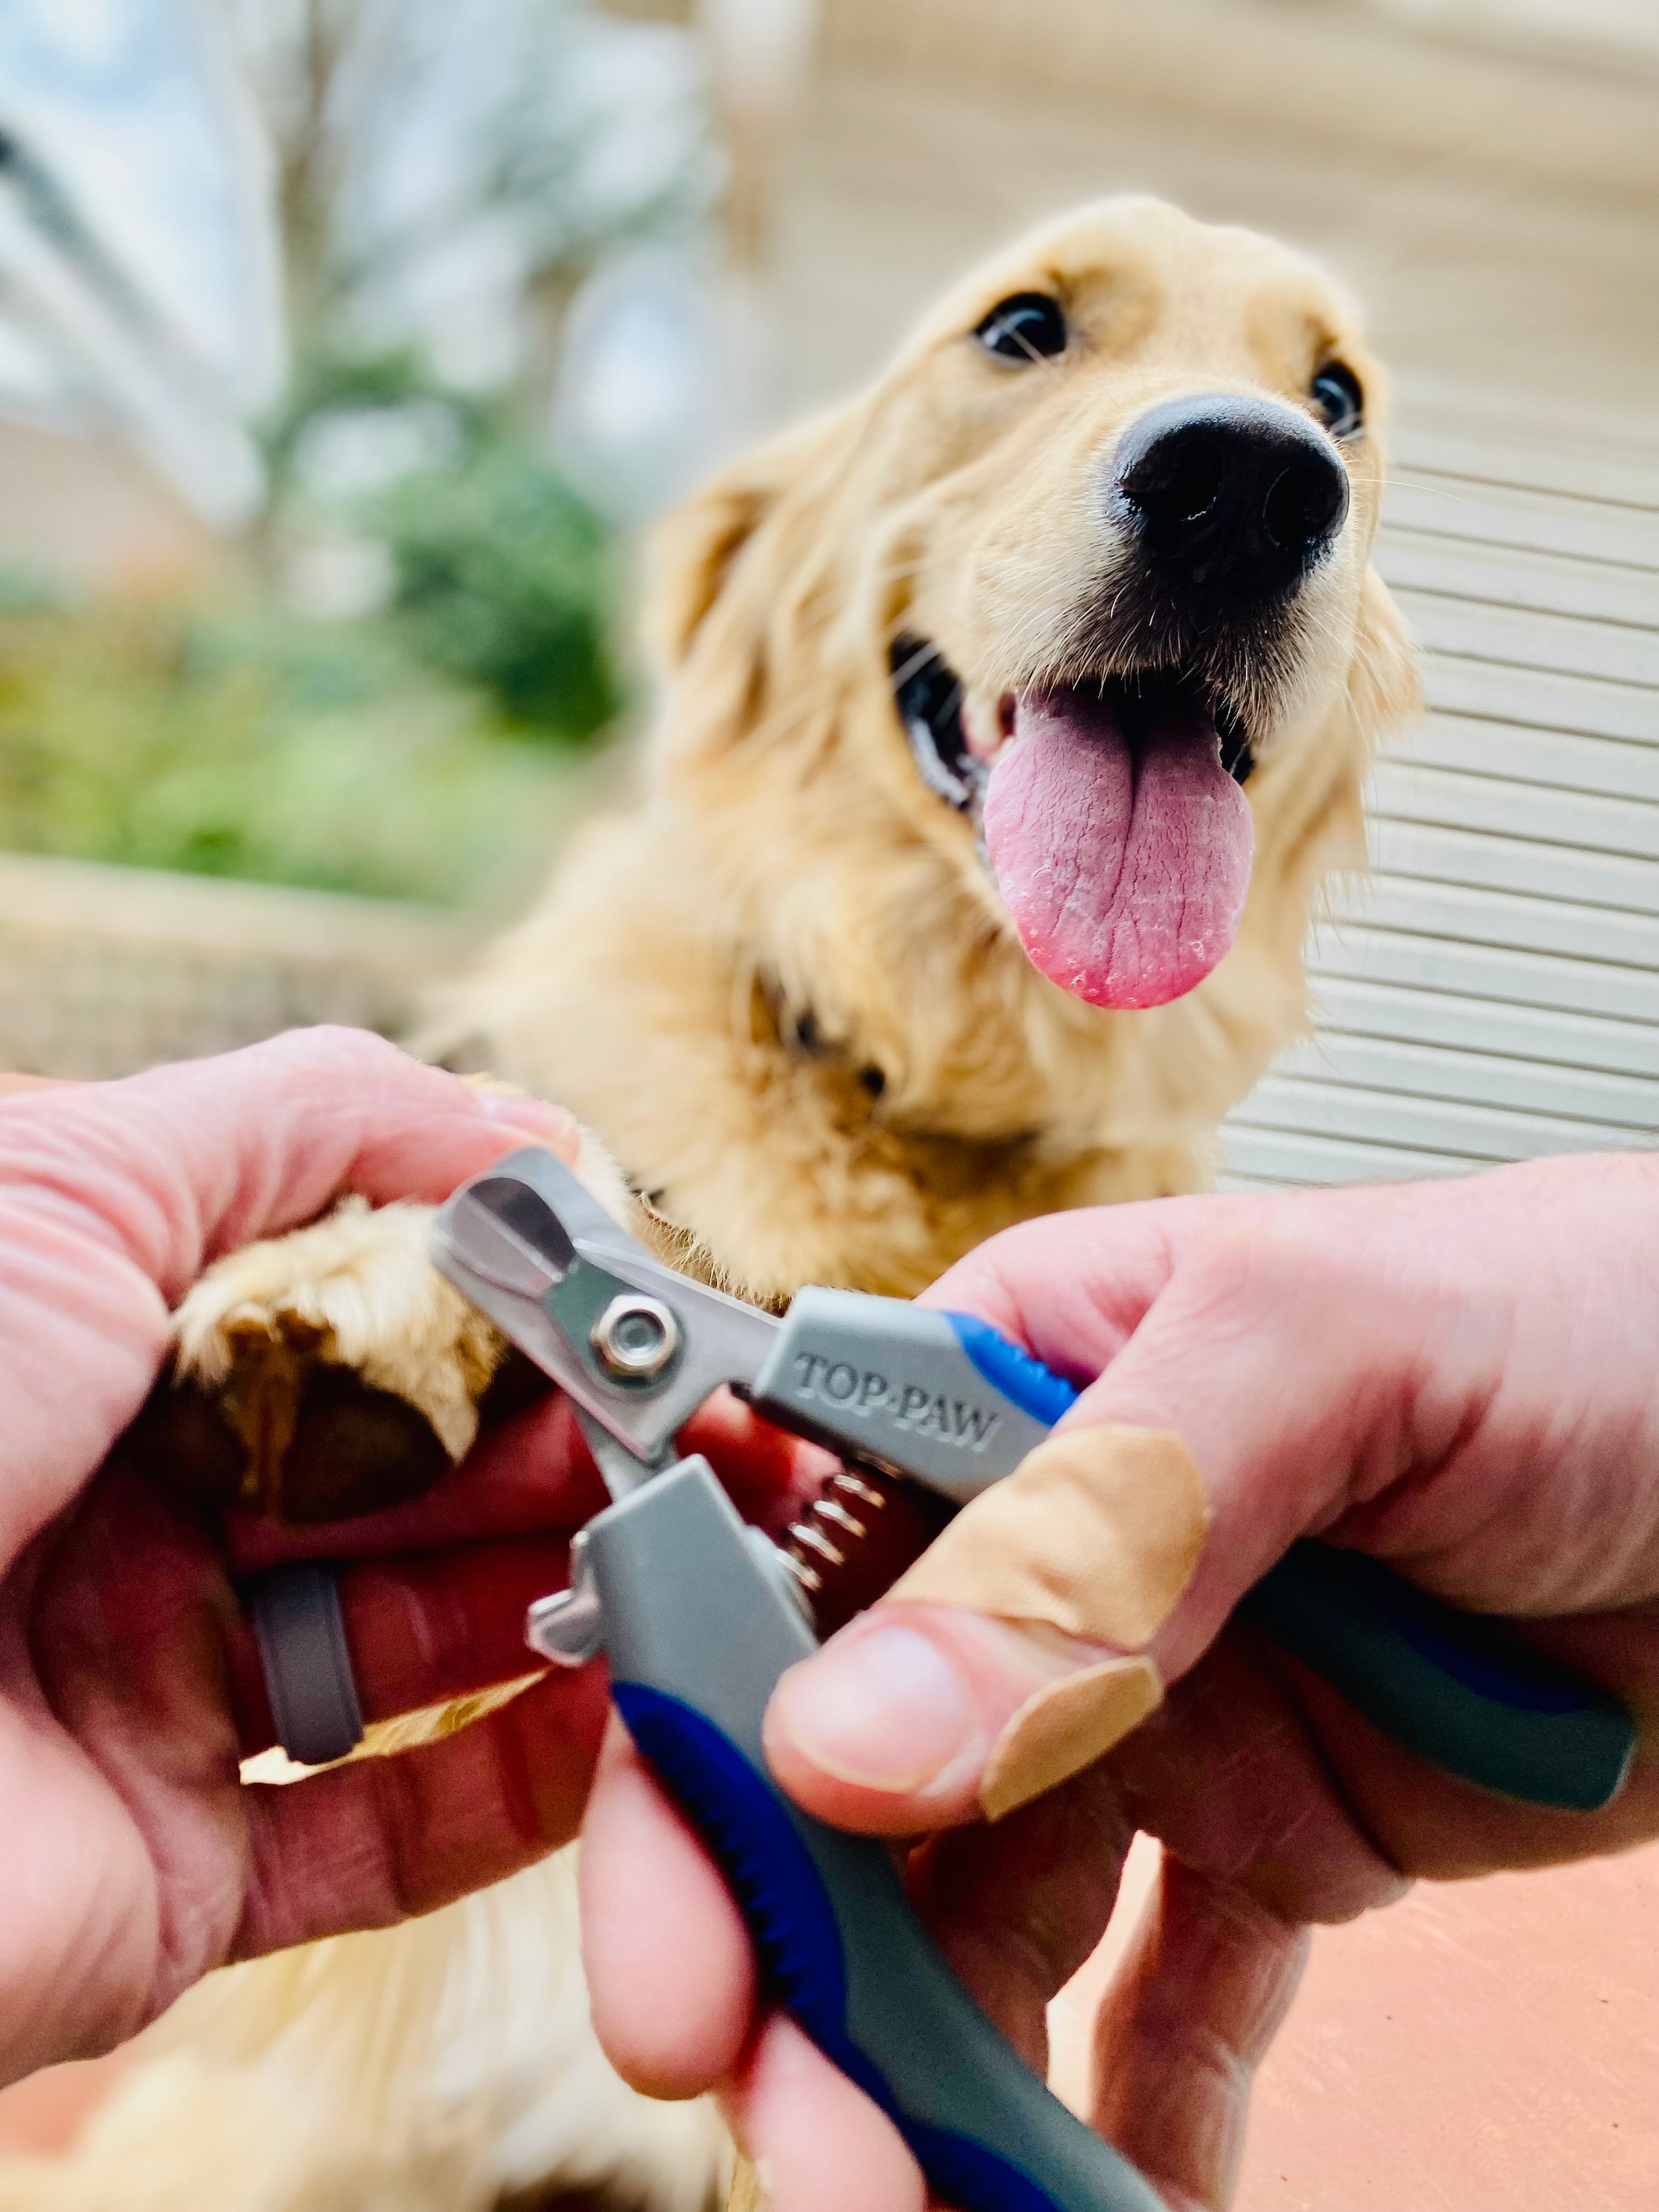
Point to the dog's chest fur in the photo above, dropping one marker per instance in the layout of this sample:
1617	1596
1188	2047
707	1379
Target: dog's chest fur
866	1124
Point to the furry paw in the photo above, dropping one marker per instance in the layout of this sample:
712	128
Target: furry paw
326	1373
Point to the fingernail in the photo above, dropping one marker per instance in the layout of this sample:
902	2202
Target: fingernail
553	1125
886	1711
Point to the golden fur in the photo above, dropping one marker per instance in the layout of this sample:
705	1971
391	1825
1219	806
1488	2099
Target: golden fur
788	860
711	985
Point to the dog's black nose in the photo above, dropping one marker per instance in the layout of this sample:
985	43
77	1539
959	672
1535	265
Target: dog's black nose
1231	500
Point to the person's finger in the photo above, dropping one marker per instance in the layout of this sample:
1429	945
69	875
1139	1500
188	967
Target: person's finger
1184	2022
1018	1908
1438	1828
434	1591
444	1623
1073	1287
420	1630
273	1133
1441	1373
672	1985
670	1970
530	1475
1230	1324
112	1196
380	1841
891	1728
817	2144
1229	1775
670	1965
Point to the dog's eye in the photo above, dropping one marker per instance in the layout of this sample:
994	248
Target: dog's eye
1029	327
1338	400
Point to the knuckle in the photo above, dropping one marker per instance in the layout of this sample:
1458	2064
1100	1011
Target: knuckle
1271	1252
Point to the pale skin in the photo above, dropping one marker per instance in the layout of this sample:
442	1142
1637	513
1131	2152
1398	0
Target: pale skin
1462	1378
131	1860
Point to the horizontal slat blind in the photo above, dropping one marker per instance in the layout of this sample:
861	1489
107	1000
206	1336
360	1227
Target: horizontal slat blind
1492	992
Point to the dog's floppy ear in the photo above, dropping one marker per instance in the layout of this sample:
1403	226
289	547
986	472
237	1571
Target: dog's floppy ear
691	550
695	546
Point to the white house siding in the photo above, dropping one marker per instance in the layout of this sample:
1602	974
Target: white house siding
1492	992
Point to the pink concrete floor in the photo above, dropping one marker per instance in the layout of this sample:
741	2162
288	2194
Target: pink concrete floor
1486	2046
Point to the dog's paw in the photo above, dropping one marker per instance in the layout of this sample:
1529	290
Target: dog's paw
329	1372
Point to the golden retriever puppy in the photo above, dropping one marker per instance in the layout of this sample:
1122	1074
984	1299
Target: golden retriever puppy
1012	716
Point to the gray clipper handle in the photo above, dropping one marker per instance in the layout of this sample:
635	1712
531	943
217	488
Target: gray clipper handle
897	1383
698	1627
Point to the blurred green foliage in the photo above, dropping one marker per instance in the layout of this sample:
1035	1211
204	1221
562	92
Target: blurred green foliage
499	582
388	685
422	746
232	741
503	572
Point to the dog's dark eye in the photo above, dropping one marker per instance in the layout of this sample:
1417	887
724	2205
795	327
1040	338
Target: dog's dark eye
1338	400
1029	327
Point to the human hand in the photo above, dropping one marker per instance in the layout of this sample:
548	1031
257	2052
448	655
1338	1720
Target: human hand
1459	1378
131	1860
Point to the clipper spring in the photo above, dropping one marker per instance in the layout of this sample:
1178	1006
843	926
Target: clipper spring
854	1542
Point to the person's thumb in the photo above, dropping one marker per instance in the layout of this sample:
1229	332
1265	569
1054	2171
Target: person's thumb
1045	1620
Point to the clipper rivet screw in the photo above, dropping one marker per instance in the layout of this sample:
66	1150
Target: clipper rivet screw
635	1338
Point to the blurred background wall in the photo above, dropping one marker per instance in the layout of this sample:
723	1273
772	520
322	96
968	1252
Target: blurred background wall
744	202
1488	177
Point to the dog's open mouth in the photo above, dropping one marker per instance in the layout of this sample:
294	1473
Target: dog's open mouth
1113	818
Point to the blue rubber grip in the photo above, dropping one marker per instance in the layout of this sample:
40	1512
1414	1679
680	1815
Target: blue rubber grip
1009	1368
788	1904
1456	1691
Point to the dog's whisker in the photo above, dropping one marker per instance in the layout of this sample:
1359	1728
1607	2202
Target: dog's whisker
918	660
1437	488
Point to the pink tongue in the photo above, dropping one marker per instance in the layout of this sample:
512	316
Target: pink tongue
1125	871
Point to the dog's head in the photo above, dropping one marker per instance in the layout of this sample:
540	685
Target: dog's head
1077	597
